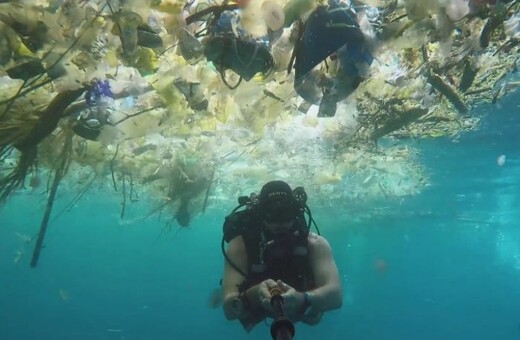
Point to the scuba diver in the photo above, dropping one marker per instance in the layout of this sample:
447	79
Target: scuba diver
224	42
334	32
342	34
272	254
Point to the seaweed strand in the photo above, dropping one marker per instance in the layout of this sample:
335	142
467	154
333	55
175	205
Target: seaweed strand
112	167
123	204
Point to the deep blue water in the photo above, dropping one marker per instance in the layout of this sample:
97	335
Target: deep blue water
441	265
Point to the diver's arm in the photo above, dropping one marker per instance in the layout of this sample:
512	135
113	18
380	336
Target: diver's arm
236	252
308	306
251	306
327	293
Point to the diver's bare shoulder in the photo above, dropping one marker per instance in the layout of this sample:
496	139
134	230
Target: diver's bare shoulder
316	241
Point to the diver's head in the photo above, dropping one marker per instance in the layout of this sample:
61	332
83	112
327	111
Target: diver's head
277	207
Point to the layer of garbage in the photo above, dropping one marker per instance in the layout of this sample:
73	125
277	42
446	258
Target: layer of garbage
194	103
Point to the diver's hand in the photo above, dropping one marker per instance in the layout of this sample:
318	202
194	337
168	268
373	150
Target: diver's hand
260	295
293	300
237	306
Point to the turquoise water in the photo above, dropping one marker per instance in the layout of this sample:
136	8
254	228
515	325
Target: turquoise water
441	265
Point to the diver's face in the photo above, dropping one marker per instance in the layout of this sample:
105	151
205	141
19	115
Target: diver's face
279	217
279	227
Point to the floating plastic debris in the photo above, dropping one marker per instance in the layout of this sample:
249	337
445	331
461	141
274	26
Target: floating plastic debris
512	26
100	102
501	160
255	131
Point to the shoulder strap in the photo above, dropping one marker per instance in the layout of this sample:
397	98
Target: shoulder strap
236	223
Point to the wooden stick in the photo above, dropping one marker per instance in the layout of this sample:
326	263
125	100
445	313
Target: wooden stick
447	91
58	175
